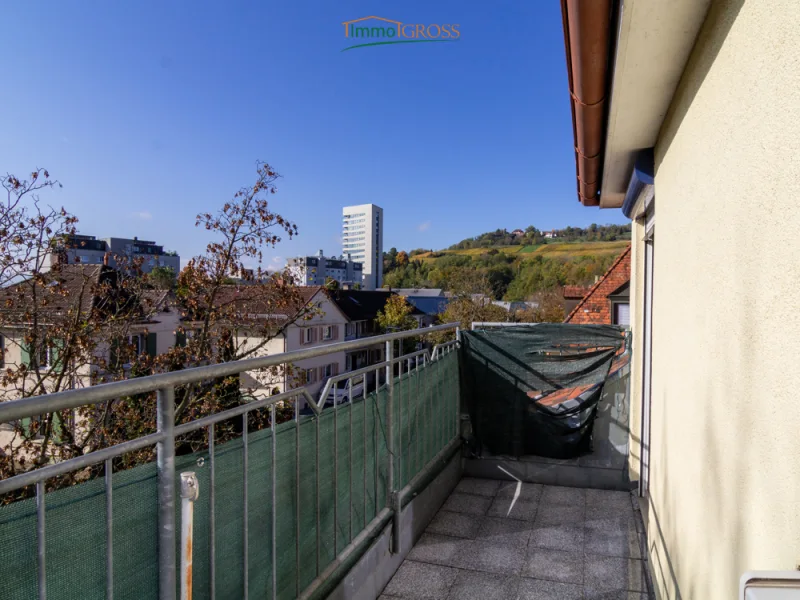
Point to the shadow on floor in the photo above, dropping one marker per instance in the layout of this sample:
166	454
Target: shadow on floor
503	540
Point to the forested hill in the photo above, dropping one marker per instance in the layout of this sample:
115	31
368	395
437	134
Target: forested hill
512	267
532	235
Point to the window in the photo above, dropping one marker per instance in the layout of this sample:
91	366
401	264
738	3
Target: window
137	341
46	356
622	314
327	333
311	375
308	335
328	371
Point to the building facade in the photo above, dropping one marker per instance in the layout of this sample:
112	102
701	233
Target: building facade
607	302
712	91
315	270
362	239
88	250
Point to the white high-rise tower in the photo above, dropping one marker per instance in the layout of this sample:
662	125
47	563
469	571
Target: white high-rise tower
362	239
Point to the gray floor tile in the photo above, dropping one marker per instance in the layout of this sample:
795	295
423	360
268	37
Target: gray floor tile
420	580
605	573
530	492
493	558
615	595
509	508
558	537
479	487
612	538
455	524
609	512
594	513
538	589
467	503
437	549
560	514
475	585
601	497
555	494
609	501
495	530
554	565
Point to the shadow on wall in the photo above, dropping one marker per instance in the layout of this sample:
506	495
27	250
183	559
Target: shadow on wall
712	35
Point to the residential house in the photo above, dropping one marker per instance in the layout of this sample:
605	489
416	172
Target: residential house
572	295
686	114
75	292
316	321
418	292
431	306
518	233
361	308
607	301
87	249
316	270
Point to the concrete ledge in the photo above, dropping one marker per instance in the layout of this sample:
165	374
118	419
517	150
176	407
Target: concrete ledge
548	472
372	572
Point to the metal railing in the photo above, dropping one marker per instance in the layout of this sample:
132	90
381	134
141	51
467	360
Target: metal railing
165	437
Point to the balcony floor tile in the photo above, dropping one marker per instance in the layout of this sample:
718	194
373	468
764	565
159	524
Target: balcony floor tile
525	541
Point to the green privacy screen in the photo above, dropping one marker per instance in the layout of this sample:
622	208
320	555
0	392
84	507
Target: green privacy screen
343	455
534	389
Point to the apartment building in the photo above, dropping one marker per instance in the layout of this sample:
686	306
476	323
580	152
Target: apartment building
686	113
362	239
87	249
315	270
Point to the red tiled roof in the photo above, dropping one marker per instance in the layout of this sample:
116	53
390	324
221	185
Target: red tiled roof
595	307
572	292
264	300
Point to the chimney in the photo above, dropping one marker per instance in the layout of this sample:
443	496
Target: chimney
105	259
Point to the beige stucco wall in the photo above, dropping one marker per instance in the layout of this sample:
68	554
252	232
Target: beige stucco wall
725	478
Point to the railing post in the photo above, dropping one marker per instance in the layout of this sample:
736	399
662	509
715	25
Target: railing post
392	495
190	490
165	463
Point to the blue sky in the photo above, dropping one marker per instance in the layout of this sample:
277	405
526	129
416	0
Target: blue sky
149	112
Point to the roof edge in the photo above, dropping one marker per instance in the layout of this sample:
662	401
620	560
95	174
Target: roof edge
599	282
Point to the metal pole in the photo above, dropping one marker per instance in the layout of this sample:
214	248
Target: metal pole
190	491
41	552
245	512
274	506
212	517
165	462
109	486
297	495
391	495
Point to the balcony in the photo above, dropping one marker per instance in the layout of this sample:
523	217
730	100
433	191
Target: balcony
392	490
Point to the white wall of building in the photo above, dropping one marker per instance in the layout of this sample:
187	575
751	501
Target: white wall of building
362	238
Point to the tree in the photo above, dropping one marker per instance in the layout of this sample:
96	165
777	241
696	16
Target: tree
78	319
56	320
331	284
549	308
225	319
396	315
162	278
402	258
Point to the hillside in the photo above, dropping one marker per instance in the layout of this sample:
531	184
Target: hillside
552	249
507	272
